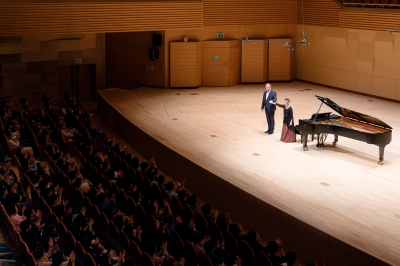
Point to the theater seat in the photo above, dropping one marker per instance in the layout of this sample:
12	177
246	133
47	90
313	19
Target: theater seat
214	232
89	261
191	258
230	241
246	253
147	261
204	260
135	253
262	259
175	246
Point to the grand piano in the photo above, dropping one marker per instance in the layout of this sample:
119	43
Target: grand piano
351	124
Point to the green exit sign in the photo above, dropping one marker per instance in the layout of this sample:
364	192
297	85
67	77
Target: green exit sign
220	35
78	61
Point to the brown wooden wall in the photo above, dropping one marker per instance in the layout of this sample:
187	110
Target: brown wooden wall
318	12
31	17
370	19
328	13
56	18
127	55
29	65
236	12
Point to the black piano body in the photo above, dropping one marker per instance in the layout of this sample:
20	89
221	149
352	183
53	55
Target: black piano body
351	124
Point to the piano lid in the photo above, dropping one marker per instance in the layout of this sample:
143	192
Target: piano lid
353	114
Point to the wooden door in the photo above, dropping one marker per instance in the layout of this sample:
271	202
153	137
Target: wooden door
64	79
281	63
254	61
215	70
86	82
185	64
78	80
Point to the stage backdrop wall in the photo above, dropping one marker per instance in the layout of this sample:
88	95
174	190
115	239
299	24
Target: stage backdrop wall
365	61
127	54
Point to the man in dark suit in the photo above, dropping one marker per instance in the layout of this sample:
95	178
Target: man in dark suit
269	108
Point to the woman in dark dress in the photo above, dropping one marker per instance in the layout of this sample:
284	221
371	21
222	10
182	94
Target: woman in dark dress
288	130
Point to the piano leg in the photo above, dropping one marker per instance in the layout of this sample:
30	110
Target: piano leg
304	140
335	140
321	140
381	152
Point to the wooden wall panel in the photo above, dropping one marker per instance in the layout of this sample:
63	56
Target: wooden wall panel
281	61
184	76
216	191
43	18
305	239
195	177
242	204
11	69
29	64
369	19
254	61
220	66
328	13
366	61
317	12
270	221
64	79
236	12
215	73
127	55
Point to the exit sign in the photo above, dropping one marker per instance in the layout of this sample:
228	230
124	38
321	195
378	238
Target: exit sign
78	61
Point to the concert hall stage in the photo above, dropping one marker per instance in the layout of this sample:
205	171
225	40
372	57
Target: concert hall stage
322	202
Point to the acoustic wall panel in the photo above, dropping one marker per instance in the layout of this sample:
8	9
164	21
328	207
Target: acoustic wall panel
95	17
185	64
318	12
364	83
384	60
29	64
281	61
220	66
384	87
233	12
368	18
337	78
254	61
365	57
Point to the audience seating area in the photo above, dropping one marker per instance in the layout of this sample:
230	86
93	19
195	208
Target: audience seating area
82	199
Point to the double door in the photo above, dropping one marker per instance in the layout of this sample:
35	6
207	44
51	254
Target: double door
220	63
78	80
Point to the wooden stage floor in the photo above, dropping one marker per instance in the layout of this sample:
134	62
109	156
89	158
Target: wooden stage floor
340	190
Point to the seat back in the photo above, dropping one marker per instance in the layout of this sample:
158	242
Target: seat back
176	206
214	232
89	261
246	253
79	252
262	259
201	223
175	246
191	258
147	260
230	241
204	260
135	253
